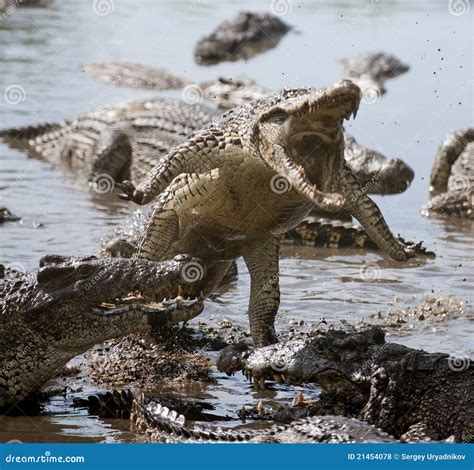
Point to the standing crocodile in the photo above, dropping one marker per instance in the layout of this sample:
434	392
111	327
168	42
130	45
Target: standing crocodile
241	38
252	174
452	176
48	319
410	394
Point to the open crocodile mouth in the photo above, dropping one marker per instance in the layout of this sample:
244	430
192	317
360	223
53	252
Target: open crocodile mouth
303	141
322	115
139	302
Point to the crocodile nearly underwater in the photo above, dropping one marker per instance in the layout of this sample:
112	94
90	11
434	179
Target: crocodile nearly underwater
7	216
244	36
452	177
71	304
220	192
371	71
410	394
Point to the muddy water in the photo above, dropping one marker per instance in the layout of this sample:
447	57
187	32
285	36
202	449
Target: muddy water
41	51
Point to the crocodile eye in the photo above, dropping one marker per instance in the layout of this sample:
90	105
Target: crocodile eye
85	270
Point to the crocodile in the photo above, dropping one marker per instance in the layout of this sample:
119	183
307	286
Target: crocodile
410	394
452	177
225	92
73	303
371	71
7	216
246	35
249	176
126	140
165	425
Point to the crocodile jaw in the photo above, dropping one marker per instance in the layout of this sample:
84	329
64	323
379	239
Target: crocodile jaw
302	140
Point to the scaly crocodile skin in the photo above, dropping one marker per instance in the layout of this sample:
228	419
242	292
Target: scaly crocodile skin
251	175
47	319
452	177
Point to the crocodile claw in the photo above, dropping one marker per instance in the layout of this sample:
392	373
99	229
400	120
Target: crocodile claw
130	193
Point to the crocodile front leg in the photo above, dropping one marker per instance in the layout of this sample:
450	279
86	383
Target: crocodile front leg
369	216
262	259
198	154
160	231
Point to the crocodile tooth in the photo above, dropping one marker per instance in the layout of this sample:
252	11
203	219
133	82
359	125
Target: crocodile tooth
179	301
173	415
300	398
260	407
278	378
180	291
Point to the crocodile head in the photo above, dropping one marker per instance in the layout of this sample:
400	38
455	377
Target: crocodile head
77	302
333	358
299	134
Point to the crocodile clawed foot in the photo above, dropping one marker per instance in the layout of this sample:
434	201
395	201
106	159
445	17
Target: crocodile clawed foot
130	193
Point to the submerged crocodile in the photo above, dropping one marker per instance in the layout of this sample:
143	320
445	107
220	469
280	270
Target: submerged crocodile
452	177
221	195
371	71
71	304
7	216
410	394
241	38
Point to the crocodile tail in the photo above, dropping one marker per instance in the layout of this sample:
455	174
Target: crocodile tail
153	417
25	137
449	151
326	233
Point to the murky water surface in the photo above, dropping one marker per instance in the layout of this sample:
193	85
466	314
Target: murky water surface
41	51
